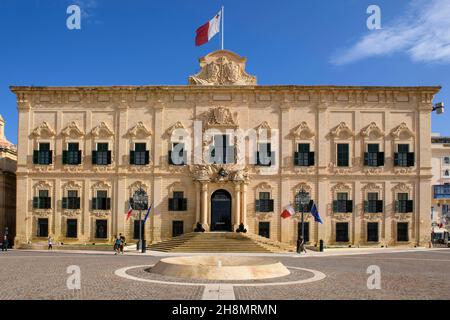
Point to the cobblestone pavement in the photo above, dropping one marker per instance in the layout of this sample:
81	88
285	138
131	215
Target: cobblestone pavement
406	275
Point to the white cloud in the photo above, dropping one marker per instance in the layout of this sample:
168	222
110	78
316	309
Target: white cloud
87	8
423	33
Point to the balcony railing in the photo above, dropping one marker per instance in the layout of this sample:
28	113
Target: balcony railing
441	191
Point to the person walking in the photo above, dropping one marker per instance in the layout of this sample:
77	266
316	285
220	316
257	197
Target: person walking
117	243
122	242
50	243
302	245
5	243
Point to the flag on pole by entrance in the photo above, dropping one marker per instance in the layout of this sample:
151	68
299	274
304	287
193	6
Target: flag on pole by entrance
130	211
287	212
148	212
208	30
315	213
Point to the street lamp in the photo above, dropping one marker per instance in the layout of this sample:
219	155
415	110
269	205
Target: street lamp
439	108
303	198
140	202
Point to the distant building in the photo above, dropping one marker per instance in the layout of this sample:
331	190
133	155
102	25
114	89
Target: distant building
440	162
362	154
8	164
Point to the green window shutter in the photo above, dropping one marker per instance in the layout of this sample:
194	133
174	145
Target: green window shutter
366	206
147	157
379	206
50	157
410	159
396	159
335	205
349	205
35	202
94	156
366	158
36	156
108	157
296	158
77	203
64	157
94	203
257	205
184	204
380	159
311	161
409	206
131	157
108	203
270	205
64	203
171	206
397	206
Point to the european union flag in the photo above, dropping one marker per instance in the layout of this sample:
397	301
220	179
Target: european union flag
148	212
315	213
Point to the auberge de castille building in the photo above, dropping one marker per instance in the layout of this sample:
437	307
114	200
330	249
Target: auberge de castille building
224	151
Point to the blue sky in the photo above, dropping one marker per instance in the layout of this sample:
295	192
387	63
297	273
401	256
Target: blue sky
150	42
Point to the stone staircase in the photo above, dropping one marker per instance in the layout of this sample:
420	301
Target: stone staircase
218	242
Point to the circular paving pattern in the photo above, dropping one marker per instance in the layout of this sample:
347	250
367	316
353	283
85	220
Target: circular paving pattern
298	276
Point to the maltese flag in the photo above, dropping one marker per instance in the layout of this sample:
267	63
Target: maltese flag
287	212
208	30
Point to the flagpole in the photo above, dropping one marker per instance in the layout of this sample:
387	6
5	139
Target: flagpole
223	31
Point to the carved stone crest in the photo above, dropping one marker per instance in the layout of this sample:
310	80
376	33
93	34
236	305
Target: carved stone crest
220	116
222	67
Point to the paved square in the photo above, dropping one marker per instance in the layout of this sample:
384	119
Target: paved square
404	275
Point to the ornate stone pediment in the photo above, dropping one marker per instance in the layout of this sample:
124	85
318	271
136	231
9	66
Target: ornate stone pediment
72	130
43	130
402	132
402	187
219	173
220	117
176	126
222	67
302	131
372	131
342	131
140	129
102	130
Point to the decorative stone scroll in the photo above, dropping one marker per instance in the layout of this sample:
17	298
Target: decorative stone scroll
139	130
72	130
222	67
43	130
102	130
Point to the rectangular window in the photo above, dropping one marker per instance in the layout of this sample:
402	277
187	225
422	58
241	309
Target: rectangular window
101	229
403	204
101	202
72	155
303	157
71	228
140	156
343	154
101	156
372	201
42	201
43	156
299	230
265	156
177	228
177	156
402	231
264	203
342	232
72	201
342	204
178	202
403	158
42	227
222	152
373	157
372	231
264	229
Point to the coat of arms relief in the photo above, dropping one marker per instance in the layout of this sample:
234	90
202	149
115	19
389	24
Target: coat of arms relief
222	68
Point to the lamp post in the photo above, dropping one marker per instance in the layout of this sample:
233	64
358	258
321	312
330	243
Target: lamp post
140	201
303	199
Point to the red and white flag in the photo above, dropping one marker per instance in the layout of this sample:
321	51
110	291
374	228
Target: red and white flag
208	30
287	212
130	211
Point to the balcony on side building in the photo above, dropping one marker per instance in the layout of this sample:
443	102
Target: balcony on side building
441	191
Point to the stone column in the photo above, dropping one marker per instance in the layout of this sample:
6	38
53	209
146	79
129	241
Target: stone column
205	206
237	207
197	203
244	204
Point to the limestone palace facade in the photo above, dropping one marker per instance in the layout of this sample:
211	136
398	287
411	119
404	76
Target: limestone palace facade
223	151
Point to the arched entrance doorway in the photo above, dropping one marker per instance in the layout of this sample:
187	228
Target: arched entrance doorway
221	211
